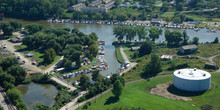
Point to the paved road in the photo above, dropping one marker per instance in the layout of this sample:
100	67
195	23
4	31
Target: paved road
51	68
123	54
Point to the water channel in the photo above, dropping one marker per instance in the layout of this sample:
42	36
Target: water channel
34	94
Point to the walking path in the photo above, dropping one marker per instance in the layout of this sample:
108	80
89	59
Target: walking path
63	83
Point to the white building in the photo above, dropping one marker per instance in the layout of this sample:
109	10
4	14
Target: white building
192	80
95	3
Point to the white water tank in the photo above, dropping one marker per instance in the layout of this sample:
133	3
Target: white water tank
192	80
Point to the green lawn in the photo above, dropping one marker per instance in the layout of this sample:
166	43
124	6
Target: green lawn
167	14
137	95
129	54
208	50
118	54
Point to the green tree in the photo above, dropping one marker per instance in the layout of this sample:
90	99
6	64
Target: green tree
84	82
8	62
154	33
42	107
116	77
33	28
176	20
195	40
15	25
185	38
117	89
6	28
67	64
119	32
165	7
173	38
145	47
18	72
179	6
141	32
49	55
154	66
215	41
96	76
1	108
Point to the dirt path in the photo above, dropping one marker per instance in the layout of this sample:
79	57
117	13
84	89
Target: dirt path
211	60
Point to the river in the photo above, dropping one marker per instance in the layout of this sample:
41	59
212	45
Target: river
34	94
105	32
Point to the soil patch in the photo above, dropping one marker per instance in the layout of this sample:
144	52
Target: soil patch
161	90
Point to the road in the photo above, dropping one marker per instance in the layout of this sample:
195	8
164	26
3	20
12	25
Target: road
5	102
126	59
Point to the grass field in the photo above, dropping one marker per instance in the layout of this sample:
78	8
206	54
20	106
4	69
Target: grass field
129	54
119	56
208	50
158	2
167	14
217	60
137	95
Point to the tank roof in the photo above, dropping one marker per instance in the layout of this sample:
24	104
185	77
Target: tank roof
192	74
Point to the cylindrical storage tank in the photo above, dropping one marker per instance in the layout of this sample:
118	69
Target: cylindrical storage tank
192	80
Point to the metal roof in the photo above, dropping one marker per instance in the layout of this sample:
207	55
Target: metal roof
186	47
192	74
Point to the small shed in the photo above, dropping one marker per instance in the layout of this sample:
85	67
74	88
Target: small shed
135	48
166	57
211	65
188	49
156	21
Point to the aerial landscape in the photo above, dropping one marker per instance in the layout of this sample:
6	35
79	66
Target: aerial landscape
109	54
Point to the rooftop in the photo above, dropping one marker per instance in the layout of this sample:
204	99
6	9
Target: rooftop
186	47
192	74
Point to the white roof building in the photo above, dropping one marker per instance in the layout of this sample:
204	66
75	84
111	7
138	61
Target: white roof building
192	79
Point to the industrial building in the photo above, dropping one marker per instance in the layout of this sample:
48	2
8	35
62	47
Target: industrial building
192	80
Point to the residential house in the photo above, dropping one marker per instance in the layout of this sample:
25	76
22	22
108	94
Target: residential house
77	7
188	49
95	3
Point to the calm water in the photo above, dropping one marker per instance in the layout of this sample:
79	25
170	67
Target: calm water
34	94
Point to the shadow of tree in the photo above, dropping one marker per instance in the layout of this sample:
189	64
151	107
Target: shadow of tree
111	100
172	89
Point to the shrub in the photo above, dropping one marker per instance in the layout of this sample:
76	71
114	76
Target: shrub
206	107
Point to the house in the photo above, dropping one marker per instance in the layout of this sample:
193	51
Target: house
166	57
95	3
122	5
156	21
109	5
188	49
77	7
16	39
211	65
94	9
127	4
1	16
135	48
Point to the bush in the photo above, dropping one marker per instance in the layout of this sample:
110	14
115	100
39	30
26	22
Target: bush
81	99
85	107
206	107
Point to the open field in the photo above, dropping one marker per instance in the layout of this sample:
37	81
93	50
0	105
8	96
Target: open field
167	14
137	95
